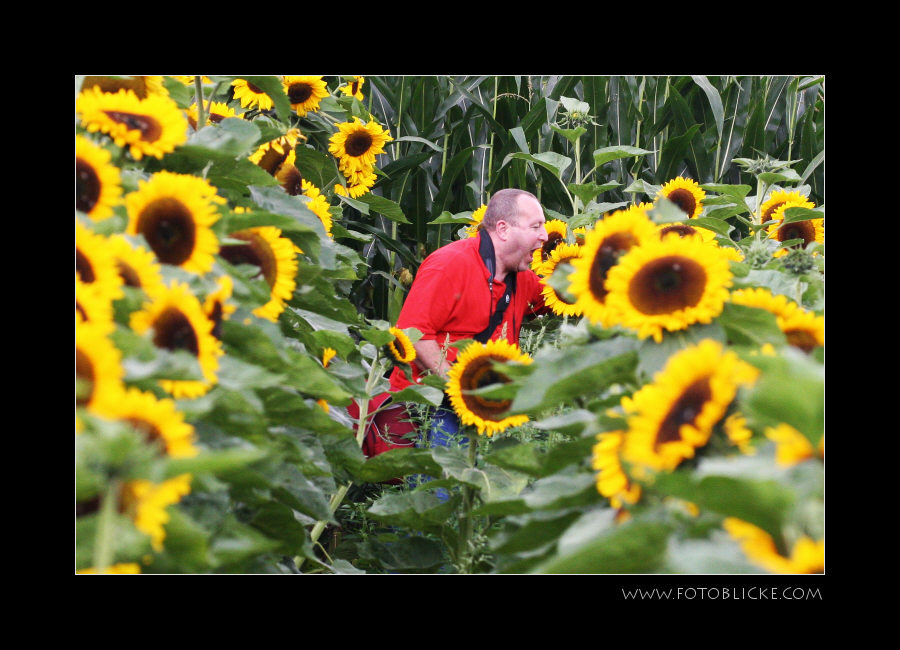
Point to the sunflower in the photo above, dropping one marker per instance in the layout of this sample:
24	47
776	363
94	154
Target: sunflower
401	348
473	369
356	144
668	284
174	213
610	238
807	555
354	88
98	365
275	153
98	188
251	96
318	204
153	126
580	233
146	502
91	306
177	321
188	79
95	264
215	113
791	446
685	193
156	419
275	256
137	266
802	329
562	254
142	86
777	199
359	183
738	434
687	230
473	228
669	418
612	481
810	230
305	92
556	235
216	306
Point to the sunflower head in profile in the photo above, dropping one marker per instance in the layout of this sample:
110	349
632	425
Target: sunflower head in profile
401	347
611	237
361	184
561	258
98	365
146	503
142	86
791	446
251	96
807	231
156	420
556	235
668	285
98	187
356	143
354	88
669	418
215	113
153	126
318	204
175	321
276	153
777	199
305	92
612	480
474	228
174	213
802	329
95	264
474	369
686	193
276	258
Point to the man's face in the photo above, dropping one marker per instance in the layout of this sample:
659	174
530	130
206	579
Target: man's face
528	234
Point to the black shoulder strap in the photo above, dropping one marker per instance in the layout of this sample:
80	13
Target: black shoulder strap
486	250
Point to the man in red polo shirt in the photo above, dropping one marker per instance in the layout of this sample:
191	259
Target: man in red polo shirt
461	286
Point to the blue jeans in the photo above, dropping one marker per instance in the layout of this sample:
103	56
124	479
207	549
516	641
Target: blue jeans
443	432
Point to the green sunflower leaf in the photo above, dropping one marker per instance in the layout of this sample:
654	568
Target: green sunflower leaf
419	510
608	154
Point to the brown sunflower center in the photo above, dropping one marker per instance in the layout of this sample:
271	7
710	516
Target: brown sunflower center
291	180
608	254
478	374
684	411
129	276
255	252
83	267
299	92
110	85
767	214
174	331
87	186
84	378
686	201
150	128
216	315
272	159
804	230
256	89
667	284
358	143
168	226
215	118
802	339
81	311
147	429
553	240
682	230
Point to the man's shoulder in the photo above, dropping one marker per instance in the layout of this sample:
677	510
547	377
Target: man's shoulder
452	253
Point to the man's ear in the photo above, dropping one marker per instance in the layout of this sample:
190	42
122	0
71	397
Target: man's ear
502	229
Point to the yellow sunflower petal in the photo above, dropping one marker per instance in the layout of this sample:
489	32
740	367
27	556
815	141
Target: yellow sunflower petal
686	193
98	187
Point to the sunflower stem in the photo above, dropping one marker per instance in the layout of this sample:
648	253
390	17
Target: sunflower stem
198	92
103	542
465	552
